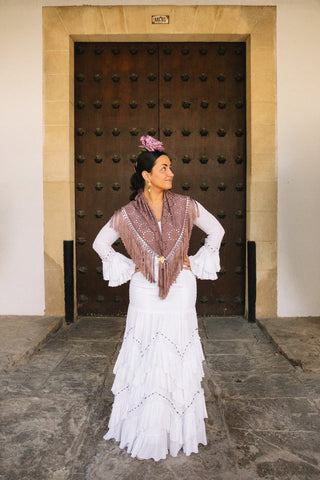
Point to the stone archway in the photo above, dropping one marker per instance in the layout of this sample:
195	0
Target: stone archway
254	25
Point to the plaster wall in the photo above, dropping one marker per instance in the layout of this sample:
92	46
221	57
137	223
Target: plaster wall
21	205
298	159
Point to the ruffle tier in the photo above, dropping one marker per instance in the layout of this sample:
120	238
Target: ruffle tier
117	268
159	403
205	264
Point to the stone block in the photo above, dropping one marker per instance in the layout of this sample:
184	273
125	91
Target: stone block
55	36
57	87
57	113
227	328
56	62
258	385
56	138
262	227
262	196
114	19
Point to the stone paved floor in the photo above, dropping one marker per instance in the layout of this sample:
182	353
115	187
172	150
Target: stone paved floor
298	339
263	420
20	336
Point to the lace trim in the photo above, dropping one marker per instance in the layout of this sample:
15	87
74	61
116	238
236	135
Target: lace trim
157	334
143	243
182	230
122	390
181	413
213	248
108	255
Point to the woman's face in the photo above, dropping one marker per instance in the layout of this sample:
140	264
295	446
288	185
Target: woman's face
161	174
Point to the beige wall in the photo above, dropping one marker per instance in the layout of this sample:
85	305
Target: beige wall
299	159
255	25
21	212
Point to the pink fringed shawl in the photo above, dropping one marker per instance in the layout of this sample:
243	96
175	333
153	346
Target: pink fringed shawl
140	233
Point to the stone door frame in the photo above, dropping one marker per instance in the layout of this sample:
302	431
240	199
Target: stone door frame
256	26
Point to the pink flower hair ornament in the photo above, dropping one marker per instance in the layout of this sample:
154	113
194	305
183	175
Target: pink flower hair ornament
151	144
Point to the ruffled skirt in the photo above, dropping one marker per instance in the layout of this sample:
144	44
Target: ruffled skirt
159	404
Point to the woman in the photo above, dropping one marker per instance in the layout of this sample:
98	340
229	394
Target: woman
159	403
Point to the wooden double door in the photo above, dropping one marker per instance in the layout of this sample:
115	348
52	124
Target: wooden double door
192	97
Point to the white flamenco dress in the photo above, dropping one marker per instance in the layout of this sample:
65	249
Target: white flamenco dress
159	403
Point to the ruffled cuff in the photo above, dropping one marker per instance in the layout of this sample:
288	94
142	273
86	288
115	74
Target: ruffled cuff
117	268
205	264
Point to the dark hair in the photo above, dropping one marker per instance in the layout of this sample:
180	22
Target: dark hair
145	162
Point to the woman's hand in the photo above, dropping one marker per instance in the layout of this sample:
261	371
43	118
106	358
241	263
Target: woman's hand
186	264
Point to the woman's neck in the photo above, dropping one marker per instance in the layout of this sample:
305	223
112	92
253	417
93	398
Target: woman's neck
154	197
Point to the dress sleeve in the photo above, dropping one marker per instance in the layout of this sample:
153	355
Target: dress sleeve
116	268
205	264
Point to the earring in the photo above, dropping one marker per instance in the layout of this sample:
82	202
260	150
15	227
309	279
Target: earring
149	187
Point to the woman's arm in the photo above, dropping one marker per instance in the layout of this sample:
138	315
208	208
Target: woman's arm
206	262
211	226
104	240
117	268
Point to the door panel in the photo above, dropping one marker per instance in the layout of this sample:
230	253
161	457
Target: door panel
192	97
115	96
202	123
